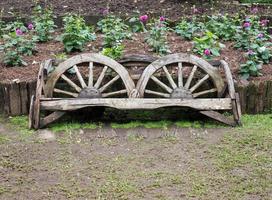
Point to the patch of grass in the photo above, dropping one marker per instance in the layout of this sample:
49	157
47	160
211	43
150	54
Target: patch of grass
117	187
20	124
4	139
244	157
66	127
135	137
257	121
199	187
3	190
188	124
132	124
148	124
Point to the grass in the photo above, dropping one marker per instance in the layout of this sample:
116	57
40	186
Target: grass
69	126
20	124
244	157
4	139
147	124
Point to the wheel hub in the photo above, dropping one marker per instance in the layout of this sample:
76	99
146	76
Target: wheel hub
181	93
89	93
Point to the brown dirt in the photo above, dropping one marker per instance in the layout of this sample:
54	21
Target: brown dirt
135	46
105	164
173	9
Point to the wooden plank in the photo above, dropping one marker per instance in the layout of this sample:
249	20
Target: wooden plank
229	79
219	117
137	103
6	98
238	106
15	99
30	115
24	98
1	98
50	118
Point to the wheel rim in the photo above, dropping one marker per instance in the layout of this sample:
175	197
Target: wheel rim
96	85
187	80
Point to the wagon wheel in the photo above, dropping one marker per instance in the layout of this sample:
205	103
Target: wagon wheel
182	76
87	76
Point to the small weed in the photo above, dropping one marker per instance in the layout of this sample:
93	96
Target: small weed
199	187
4	139
135	137
117	187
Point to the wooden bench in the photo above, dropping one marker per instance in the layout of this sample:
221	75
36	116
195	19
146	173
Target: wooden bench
135	82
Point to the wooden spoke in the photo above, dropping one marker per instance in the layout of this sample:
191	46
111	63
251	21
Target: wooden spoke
189	80
157	93
156	80
90	82
180	76
114	93
199	83
65	92
204	92
71	83
102	89
169	77
100	78
81	80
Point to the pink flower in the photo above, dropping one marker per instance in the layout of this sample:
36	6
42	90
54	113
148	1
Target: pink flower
260	35
30	26
246	25
254	10
143	18
207	52
162	18
195	10
264	22
19	32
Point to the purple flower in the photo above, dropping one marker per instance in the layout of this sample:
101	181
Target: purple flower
246	25
30	26
143	18
260	35
250	52
207	52
162	18
104	11
264	22
254	10
19	32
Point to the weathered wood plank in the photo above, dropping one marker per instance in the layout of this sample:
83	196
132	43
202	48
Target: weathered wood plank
15	99
24	98
6	90
219	117
130	104
50	118
1	98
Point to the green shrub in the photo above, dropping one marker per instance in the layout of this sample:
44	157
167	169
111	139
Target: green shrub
44	24
76	33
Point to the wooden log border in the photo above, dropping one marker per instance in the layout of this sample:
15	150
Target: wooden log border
15	97
255	97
